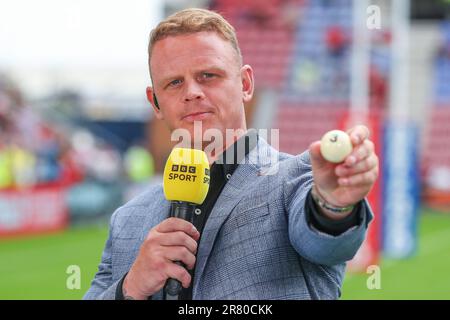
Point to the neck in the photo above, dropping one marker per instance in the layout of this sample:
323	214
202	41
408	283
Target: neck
214	151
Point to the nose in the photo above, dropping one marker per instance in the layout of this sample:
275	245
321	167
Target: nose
193	92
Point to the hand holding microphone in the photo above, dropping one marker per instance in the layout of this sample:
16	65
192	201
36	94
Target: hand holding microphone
186	183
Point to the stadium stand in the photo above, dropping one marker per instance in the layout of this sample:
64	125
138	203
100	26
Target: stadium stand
304	57
436	155
265	34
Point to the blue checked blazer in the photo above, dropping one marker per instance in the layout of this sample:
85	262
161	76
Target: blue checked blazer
257	242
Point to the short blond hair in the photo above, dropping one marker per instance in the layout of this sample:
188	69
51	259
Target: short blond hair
194	20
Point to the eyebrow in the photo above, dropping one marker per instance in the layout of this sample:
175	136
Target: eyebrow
213	69
210	68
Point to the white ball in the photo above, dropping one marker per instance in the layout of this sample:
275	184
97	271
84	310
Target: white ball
335	146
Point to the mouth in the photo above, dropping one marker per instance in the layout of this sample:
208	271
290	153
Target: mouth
197	116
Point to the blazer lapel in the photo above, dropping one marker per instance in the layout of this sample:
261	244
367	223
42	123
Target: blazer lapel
245	176
227	201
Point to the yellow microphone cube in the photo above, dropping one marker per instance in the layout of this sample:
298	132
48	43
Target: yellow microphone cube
186	176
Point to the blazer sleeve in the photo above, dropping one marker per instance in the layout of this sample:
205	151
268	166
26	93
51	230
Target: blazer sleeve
103	287
316	246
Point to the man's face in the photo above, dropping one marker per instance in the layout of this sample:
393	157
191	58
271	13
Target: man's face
197	77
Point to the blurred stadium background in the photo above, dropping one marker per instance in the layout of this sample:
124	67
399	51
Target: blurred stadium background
77	137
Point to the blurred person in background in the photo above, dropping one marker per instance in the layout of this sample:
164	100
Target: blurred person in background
16	143
32	151
286	235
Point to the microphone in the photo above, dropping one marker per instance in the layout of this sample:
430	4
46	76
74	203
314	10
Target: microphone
186	184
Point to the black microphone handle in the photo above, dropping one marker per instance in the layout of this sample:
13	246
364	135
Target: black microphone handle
182	210
185	211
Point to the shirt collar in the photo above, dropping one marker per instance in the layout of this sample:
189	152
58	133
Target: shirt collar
233	155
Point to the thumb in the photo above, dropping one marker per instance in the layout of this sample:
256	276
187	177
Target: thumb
317	160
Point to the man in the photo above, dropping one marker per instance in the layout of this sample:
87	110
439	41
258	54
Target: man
285	235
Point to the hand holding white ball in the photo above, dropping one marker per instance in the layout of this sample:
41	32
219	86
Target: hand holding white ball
335	146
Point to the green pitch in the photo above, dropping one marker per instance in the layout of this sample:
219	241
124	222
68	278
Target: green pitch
423	276
35	267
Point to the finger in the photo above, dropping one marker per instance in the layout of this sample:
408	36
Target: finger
358	134
366	178
175	271
364	165
316	156
180	254
177	224
178	238
359	153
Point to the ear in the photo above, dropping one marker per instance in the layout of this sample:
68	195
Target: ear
158	114
248	83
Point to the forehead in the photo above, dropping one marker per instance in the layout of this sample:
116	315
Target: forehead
192	50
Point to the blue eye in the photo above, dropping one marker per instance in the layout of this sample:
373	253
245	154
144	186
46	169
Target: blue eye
174	82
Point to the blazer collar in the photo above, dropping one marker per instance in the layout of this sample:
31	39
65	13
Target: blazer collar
247	175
